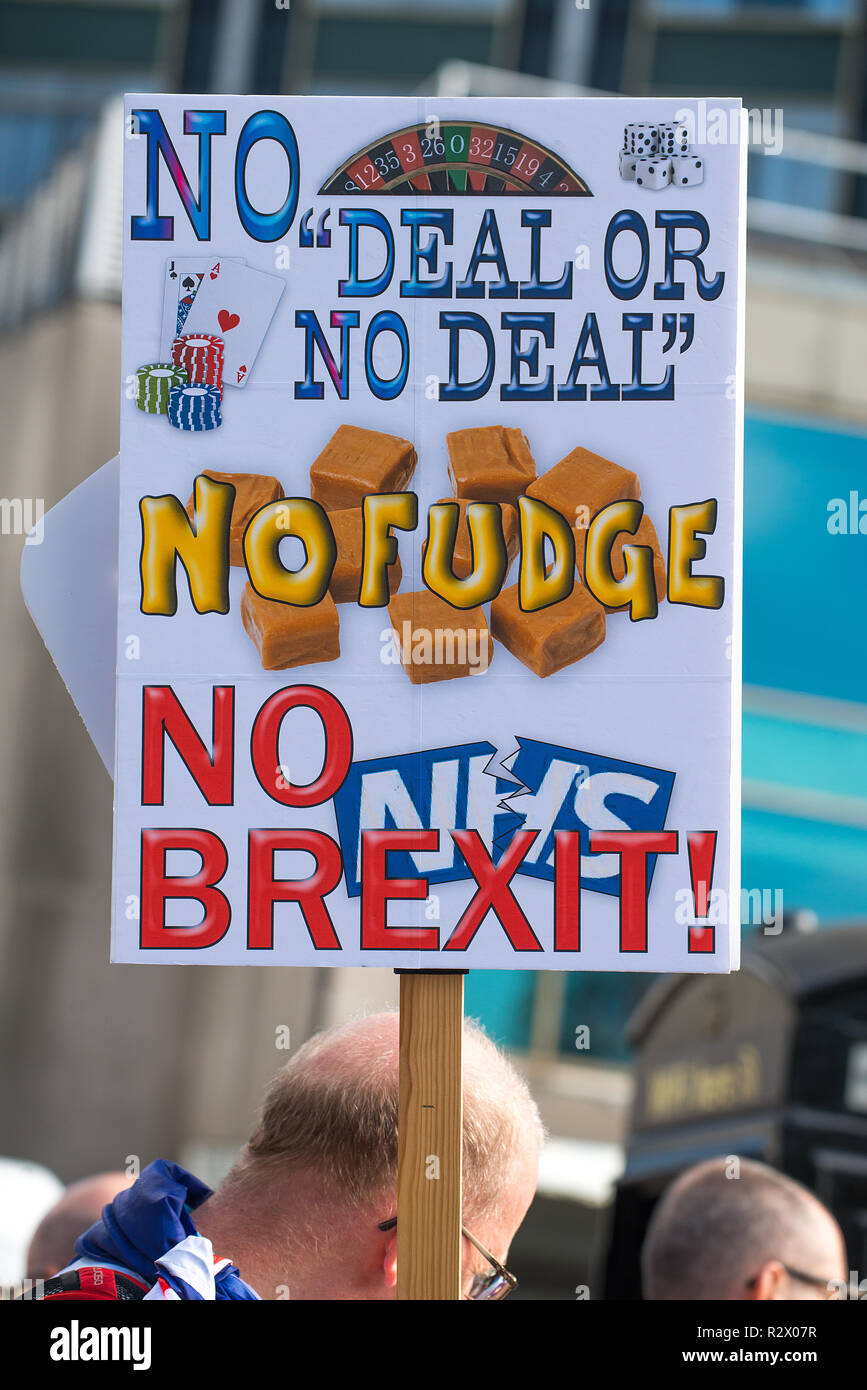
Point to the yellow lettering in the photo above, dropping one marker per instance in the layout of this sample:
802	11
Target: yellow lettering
490	560
380	511
168	535
290	516
540	585
637	587
684	546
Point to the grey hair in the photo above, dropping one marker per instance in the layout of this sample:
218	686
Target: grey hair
711	1232
332	1112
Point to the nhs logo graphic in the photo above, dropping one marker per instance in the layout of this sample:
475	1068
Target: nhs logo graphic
440	789
541	786
569	789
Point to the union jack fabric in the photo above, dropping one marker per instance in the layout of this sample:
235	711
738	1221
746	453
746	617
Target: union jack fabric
146	1245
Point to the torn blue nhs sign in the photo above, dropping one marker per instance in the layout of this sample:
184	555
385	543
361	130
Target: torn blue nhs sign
545	788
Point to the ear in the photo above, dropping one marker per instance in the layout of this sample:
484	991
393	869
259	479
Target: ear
768	1283
389	1261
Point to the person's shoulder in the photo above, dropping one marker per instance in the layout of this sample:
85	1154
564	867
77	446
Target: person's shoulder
93	1282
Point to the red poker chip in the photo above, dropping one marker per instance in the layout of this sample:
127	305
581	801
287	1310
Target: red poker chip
201	356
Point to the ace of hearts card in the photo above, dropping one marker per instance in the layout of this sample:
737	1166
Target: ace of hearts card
237	303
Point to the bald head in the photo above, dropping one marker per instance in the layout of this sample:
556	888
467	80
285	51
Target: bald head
734	1229
52	1245
333	1109
302	1208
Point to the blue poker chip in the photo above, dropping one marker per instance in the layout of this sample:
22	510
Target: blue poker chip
195	407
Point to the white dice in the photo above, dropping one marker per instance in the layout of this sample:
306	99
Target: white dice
653	172
673	138
686	169
641	138
655	155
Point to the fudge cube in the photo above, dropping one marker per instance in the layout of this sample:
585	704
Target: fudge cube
356	462
627	165
436	641
653	172
348	528
580	485
687	169
491	464
462	559
645	534
288	636
550	638
252	492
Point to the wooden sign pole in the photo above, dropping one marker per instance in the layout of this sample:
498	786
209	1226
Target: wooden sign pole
430	1135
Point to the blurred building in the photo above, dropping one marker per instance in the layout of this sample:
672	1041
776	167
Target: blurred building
102	1062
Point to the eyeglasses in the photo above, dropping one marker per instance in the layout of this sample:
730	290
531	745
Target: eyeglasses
496	1284
830	1287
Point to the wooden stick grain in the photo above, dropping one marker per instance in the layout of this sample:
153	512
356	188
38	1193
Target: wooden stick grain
430	1135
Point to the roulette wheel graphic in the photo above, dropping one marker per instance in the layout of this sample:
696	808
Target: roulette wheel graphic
456	158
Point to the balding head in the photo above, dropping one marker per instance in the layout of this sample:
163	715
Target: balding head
324	1153
53	1242
333	1110
734	1229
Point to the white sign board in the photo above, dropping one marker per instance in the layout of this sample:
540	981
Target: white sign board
441	666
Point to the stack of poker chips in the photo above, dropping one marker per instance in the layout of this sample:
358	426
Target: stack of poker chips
189	389
200	355
195	407
155	382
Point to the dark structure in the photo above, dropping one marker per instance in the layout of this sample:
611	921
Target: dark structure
769	1063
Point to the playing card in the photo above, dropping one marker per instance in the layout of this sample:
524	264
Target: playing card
238	303
183	277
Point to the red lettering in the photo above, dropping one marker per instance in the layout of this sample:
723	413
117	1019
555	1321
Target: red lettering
701	848
163	714
494	893
265	742
309	893
377	888
567	890
157	888
633	846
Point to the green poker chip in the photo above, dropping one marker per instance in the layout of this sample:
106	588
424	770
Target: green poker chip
155	382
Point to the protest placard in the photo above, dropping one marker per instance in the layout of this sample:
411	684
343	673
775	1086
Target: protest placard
428	619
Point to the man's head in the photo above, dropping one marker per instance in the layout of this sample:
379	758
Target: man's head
302	1206
53	1241
733	1229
